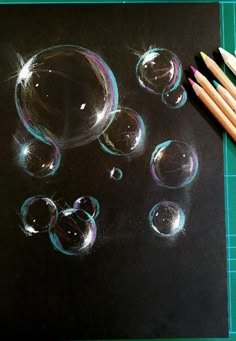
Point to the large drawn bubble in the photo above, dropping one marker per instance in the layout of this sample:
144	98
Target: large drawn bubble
125	134
74	232
88	204
38	214
66	93
167	218
39	159
158	69
174	164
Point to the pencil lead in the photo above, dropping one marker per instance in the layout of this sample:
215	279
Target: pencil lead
225	54
193	69
203	55
215	83
221	49
191	81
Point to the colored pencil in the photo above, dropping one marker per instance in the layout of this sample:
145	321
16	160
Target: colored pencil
216	97
214	109
229	59
219	74
226	95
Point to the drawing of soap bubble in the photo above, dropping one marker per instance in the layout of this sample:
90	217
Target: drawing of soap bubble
116	174
174	164
175	98
158	69
39	159
125	134
74	233
88	204
38	214
167	219
66	93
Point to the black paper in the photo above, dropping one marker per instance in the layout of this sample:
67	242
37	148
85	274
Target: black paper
132	284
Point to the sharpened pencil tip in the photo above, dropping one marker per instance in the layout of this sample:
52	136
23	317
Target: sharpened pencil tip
193	69
191	81
203	55
224	54
215	83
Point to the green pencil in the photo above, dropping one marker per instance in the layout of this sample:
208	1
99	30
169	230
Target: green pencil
226	95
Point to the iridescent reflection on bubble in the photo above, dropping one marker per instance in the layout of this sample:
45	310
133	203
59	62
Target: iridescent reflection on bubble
38	214
39	159
74	232
126	133
88	204
174	164
158	69
167	219
66	93
175	98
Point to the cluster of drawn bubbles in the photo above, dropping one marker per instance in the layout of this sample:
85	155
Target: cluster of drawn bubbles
72	231
66	96
173	164
159	71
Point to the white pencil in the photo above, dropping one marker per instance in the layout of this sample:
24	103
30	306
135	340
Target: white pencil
229	59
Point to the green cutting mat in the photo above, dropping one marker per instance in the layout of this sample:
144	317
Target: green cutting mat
228	41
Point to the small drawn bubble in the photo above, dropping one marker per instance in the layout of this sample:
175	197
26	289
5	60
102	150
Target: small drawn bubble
167	219
174	164
38	214
116	174
88	204
74	233
125	134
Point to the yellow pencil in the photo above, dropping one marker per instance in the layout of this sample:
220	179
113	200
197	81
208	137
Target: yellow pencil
226	95
206	85
219	74
214	109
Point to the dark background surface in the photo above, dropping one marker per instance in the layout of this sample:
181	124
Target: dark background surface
132	284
